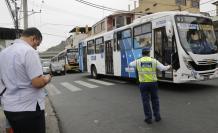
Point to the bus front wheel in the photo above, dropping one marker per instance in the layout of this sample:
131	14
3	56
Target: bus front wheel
94	73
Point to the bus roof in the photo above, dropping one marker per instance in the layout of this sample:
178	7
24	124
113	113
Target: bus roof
167	13
142	19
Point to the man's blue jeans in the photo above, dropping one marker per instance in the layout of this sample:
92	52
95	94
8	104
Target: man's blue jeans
149	92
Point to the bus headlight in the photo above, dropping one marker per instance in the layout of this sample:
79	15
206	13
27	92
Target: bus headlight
186	61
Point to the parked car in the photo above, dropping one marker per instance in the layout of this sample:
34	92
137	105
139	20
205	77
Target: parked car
57	68
46	67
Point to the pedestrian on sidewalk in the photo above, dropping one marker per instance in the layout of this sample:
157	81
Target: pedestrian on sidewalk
146	68
23	101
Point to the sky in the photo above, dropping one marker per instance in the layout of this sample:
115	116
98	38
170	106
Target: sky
58	17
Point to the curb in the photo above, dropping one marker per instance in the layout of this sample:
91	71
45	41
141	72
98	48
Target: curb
52	123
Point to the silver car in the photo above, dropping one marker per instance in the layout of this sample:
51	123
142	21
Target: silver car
57	69
46	67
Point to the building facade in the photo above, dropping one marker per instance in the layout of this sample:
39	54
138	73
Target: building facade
78	34
112	22
153	6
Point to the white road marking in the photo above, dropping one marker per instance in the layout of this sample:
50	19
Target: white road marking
85	84
52	90
70	87
101	82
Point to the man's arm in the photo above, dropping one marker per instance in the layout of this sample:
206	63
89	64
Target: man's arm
41	81
34	70
133	63
161	67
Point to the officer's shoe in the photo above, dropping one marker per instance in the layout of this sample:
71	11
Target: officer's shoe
148	121
157	119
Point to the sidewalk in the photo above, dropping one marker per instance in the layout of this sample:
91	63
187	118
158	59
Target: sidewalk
50	116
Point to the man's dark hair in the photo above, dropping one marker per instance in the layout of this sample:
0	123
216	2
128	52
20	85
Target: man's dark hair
146	51
32	32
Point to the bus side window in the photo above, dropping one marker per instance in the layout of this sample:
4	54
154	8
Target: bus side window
115	42
119	38
142	36
90	47
99	45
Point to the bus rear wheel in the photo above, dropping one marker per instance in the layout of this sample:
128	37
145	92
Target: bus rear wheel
94	73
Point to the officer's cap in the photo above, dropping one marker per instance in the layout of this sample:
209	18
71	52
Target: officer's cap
147	49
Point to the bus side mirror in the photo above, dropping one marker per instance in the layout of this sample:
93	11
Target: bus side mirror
169	29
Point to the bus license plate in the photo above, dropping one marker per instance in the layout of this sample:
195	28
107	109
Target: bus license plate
206	77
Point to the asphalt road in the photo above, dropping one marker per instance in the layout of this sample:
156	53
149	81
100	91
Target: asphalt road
114	106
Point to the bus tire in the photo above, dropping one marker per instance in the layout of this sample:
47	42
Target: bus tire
94	73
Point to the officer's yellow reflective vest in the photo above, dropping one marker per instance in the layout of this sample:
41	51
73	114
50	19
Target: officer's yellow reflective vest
146	67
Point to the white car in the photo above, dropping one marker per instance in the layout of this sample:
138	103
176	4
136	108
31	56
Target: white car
46	67
57	69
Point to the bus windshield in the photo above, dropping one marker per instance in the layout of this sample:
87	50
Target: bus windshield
72	55
196	34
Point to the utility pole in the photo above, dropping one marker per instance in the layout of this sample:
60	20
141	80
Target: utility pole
16	19
14	15
25	14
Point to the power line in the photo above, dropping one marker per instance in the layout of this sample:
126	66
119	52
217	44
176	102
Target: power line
101	7
54	35
55	24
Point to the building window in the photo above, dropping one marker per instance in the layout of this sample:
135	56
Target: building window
181	2
128	20
113	22
120	21
95	30
102	25
195	3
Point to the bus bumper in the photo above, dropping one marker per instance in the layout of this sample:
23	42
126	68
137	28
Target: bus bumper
195	76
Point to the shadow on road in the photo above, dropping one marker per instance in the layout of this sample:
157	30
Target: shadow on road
186	87
183	87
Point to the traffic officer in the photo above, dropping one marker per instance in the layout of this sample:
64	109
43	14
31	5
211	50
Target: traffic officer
146	68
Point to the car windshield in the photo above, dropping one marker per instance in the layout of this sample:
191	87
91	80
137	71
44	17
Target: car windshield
196	34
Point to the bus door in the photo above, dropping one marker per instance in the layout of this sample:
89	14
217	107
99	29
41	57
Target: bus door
162	51
82	57
109	58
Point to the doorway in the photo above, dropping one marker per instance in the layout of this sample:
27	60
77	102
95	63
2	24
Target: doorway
109	58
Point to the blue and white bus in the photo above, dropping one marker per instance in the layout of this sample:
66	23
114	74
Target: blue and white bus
168	35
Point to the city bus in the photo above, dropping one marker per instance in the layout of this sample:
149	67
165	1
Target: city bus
68	59
168	35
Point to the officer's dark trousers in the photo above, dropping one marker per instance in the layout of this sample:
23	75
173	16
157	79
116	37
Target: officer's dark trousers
28	121
149	92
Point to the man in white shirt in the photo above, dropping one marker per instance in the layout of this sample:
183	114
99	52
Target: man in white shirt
21	72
